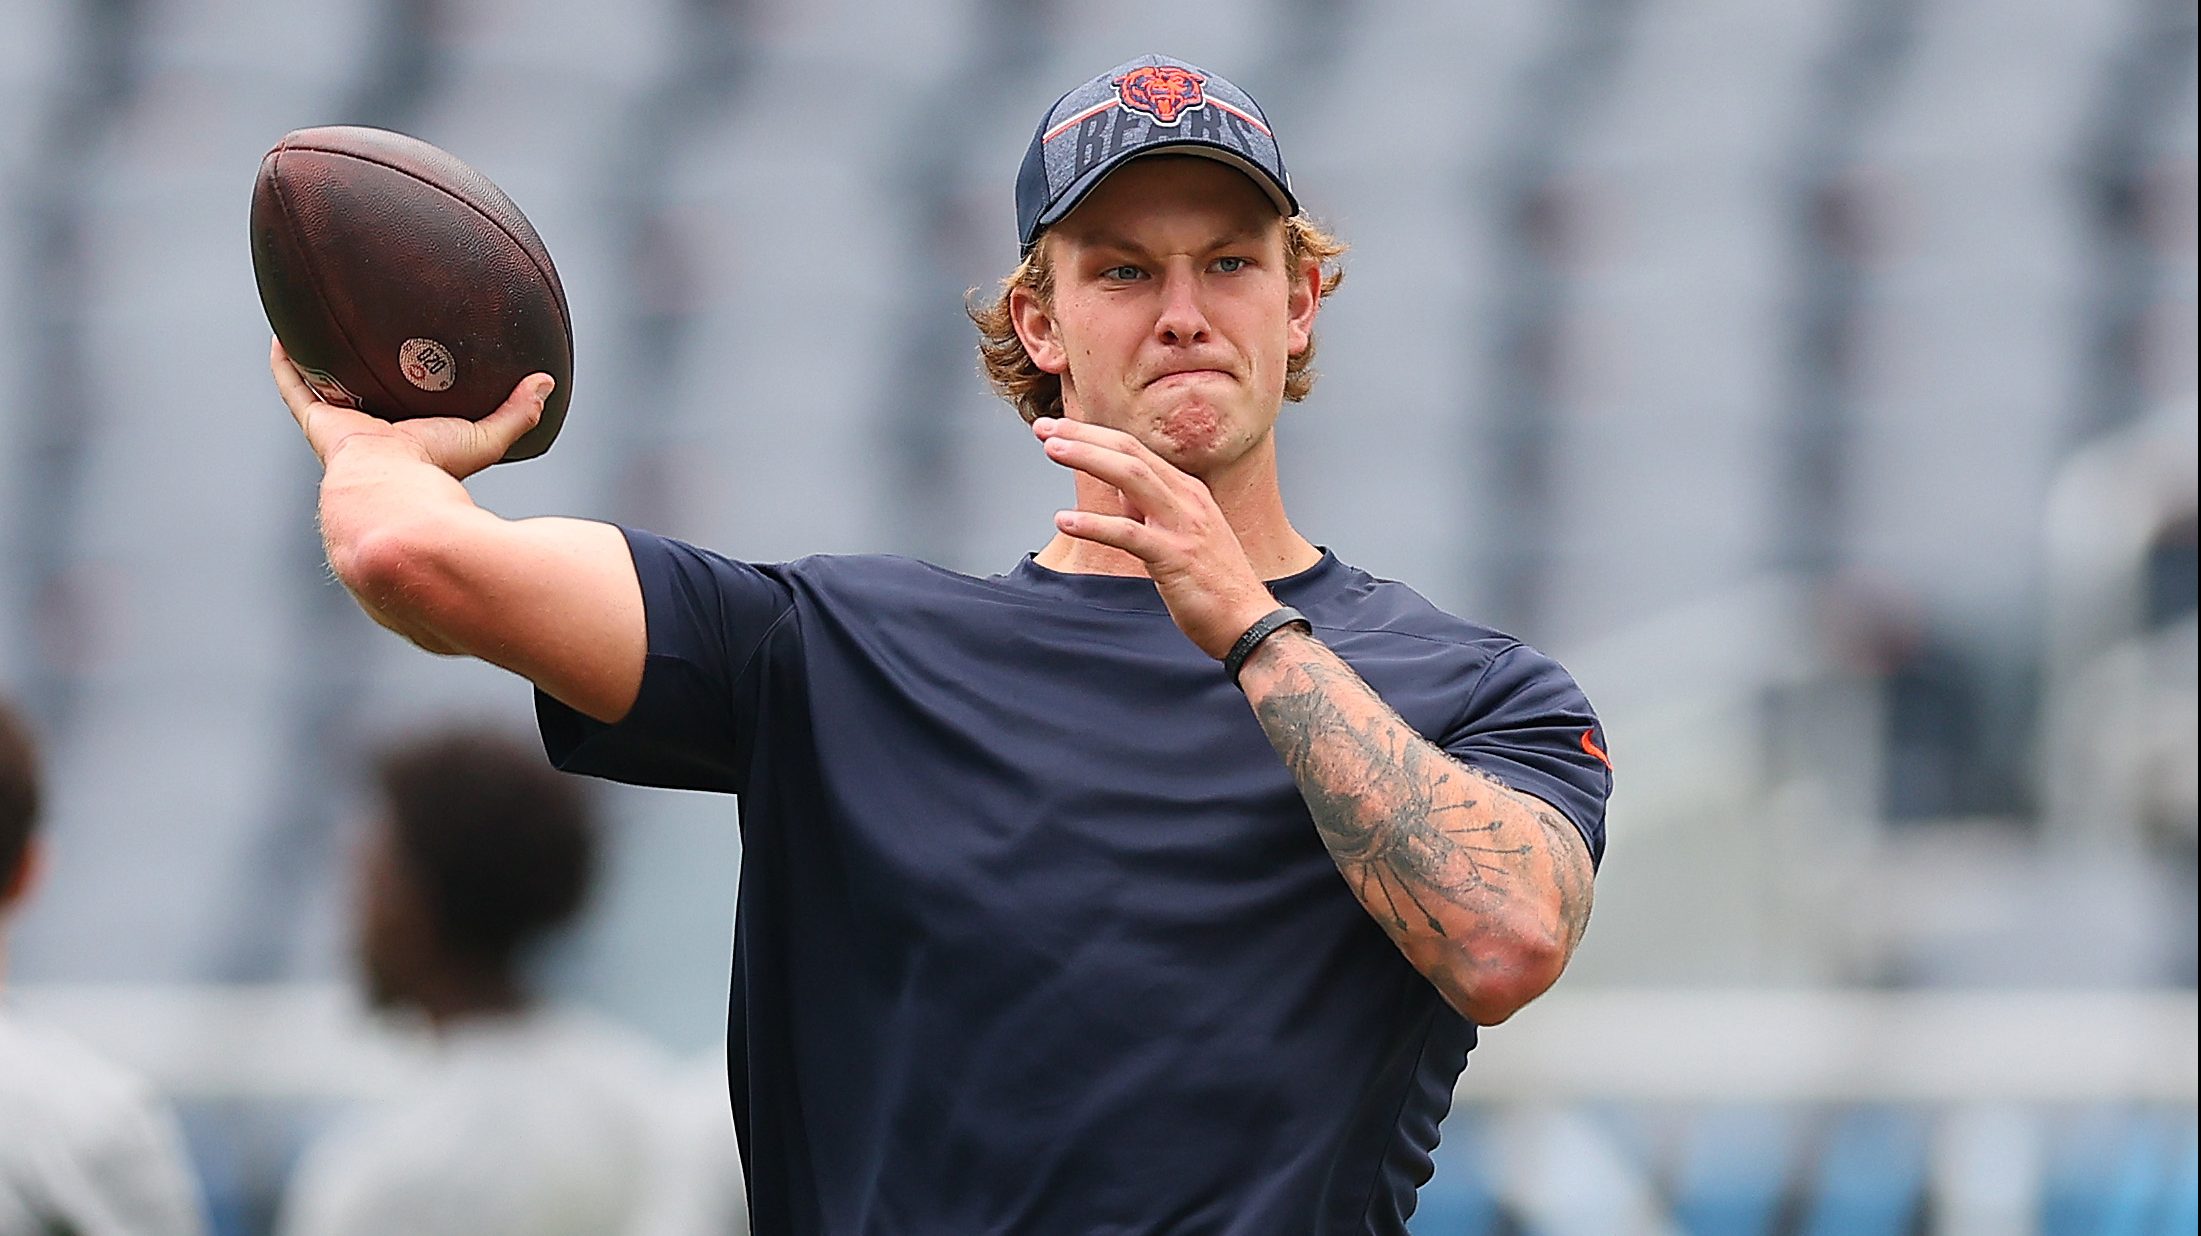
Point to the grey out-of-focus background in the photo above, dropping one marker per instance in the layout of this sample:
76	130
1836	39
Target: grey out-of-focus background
1815	379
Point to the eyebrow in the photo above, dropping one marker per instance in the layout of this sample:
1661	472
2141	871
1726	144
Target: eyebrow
1124	244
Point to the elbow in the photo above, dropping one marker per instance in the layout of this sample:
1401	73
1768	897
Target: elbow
1506	977
380	564
395	573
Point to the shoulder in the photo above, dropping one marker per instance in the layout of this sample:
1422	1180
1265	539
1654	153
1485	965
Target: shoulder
1389	629
1368	604
570	1068
598	1059
837	572
91	1133
554	1104
51	1081
872	570
891	590
825	578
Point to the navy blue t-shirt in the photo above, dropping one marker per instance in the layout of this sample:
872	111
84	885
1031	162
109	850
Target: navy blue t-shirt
1035	932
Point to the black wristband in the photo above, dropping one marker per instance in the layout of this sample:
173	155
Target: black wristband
1276	620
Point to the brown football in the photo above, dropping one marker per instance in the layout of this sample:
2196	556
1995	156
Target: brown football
403	283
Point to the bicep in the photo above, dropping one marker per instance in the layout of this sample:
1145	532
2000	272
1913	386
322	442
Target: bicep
556	601
1530	731
1561	873
1529	727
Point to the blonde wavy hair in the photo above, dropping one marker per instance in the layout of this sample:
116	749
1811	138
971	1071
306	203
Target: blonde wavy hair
1035	393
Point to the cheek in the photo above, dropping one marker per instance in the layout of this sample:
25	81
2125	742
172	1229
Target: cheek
1260	324
1271	345
1098	349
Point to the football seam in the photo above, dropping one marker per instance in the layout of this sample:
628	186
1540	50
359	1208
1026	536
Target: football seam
549	276
320	295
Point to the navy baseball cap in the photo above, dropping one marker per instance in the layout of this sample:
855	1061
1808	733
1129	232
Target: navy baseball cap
1142	107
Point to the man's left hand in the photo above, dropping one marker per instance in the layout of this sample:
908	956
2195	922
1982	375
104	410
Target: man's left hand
1171	523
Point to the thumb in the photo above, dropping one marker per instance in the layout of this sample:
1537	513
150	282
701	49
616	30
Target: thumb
520	412
463	448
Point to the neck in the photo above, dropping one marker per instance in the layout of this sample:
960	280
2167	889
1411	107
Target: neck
1251	501
450	999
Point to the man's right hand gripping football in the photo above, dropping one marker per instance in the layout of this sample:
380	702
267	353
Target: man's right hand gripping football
555	601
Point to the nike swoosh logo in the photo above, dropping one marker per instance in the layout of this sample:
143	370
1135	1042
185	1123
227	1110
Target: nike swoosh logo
1589	744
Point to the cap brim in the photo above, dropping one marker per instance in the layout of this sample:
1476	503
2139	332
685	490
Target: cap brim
1280	195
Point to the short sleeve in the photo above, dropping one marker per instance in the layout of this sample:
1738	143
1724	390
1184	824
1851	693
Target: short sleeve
1528	725
708	618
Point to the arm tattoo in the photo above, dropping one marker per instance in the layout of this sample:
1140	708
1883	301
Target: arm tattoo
1453	864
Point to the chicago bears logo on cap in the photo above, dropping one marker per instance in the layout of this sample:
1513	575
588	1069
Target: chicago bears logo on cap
1164	91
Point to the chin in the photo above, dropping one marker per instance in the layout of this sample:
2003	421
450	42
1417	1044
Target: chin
1193	427
1199	437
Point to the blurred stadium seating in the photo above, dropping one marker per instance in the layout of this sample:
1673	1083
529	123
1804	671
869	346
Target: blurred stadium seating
1816	380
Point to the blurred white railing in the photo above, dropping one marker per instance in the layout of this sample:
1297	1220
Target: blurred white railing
1688	1044
1743	1045
1977	1090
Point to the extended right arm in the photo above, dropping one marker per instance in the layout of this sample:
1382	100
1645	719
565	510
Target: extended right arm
556	601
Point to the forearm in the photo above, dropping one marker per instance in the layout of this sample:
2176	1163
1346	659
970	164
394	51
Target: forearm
382	504
1484	889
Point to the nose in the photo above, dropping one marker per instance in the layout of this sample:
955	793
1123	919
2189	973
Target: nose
1181	320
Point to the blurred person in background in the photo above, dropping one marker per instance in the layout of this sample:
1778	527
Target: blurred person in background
702	1193
86	1149
1041	924
528	1120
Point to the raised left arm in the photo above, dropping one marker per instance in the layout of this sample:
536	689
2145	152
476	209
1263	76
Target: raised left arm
1485	889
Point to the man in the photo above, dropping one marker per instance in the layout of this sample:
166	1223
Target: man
85	1148
1041	924
528	1121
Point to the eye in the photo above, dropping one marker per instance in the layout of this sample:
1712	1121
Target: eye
1122	274
1232	265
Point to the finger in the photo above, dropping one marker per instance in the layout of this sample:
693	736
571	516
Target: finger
1141	481
1129	535
1059	429
1049	427
298	396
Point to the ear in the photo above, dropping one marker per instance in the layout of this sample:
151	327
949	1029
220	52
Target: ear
1303	302
1035	326
28	874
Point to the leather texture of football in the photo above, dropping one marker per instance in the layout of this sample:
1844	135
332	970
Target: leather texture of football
403	283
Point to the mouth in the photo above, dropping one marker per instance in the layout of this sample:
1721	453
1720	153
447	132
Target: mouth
1185	377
